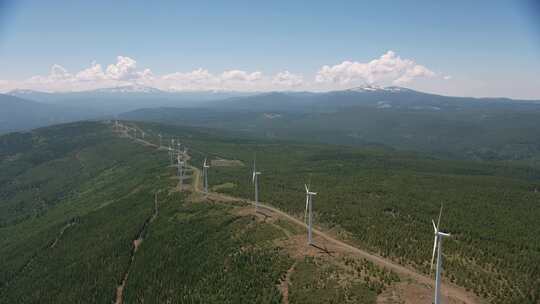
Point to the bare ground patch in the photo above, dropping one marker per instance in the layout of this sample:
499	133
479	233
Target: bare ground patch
411	293
220	162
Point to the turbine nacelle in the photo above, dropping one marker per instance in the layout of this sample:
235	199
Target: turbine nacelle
309	192
254	176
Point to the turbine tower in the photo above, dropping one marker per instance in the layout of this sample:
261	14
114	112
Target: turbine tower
255	181
437	246
205	175
308	212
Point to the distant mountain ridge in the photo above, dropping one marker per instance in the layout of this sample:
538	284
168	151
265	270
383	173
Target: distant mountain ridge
115	100
479	128
457	127
20	114
370	96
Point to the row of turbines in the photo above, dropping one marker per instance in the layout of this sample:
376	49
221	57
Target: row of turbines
181	163
308	220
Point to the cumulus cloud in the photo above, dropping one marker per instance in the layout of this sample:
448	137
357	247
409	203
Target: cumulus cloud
199	79
94	72
58	72
288	79
124	69
237	75
386	70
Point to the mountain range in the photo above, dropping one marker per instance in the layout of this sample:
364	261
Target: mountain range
478	128
111	101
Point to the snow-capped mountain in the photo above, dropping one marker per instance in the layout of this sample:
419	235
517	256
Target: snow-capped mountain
375	88
130	89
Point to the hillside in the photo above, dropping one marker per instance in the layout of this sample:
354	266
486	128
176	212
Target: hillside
90	216
383	200
86	212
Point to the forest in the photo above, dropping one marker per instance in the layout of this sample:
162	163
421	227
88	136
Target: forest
86	213
383	200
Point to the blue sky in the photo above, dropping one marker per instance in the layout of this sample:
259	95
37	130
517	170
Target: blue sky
473	48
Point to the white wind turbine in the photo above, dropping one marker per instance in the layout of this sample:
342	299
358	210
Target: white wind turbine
255	181
205	175
308	212
184	155
180	170
159	135
437	246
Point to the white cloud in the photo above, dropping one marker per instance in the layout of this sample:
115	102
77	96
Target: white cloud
288	79
237	75
447	77
58	72
386	70
199	79
95	72
124	69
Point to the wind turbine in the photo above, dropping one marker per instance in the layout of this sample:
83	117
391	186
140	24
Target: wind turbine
308	212
437	246
255	181
184	156
205	174
159	135
180	170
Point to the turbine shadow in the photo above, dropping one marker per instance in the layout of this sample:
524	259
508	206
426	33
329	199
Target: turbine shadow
323	249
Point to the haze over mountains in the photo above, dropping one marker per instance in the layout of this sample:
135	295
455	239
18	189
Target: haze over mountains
115	100
402	118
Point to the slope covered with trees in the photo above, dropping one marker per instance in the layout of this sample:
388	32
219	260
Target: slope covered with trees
384	201
77	201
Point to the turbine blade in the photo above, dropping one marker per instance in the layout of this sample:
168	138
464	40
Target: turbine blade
433	255
439	220
307	190
434	227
